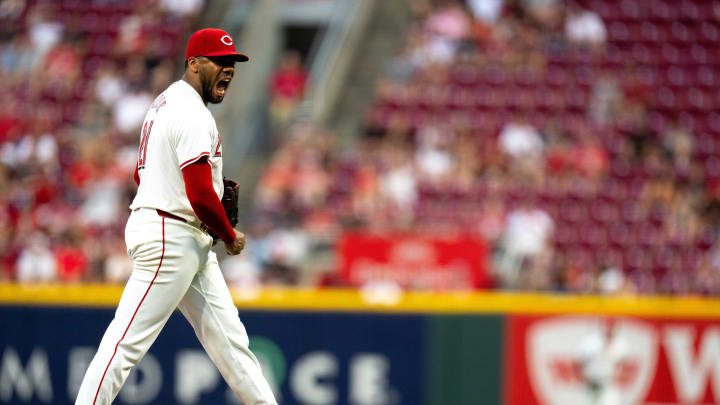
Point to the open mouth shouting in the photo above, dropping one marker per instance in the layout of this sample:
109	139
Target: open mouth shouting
221	87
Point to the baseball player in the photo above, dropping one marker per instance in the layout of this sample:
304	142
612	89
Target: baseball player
177	206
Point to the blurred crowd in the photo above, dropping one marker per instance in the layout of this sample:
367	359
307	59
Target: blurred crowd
578	139
77	79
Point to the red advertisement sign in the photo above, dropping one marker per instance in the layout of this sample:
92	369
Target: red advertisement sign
569	360
414	261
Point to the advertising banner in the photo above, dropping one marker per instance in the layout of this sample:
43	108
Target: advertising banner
309	358
570	360
485	348
415	261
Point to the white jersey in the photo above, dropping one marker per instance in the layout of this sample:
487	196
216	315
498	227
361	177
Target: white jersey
177	131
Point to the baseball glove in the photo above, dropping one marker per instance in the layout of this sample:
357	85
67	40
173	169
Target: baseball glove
229	201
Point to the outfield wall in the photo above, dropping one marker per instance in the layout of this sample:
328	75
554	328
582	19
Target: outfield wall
345	347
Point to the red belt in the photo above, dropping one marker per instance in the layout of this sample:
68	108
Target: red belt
169	215
166	214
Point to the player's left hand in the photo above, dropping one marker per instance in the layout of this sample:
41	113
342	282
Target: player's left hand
238	244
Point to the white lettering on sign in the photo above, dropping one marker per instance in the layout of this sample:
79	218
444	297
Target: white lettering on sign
312	378
32	381
144	382
369	379
306	375
195	374
79	360
691	373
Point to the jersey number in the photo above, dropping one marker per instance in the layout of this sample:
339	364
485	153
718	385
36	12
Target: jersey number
142	152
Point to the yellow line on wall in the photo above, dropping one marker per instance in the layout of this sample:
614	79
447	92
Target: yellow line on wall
344	300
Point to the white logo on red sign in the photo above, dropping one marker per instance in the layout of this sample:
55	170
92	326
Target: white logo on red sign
225	39
415	252
586	360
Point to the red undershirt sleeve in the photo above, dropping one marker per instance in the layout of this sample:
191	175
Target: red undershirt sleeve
204	201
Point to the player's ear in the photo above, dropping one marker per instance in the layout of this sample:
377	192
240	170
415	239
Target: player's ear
193	64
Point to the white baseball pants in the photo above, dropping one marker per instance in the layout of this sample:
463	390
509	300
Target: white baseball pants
173	268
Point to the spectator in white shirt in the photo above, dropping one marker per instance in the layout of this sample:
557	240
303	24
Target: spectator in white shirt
522	142
129	110
486	11
585	27
528	233
520	139
36	262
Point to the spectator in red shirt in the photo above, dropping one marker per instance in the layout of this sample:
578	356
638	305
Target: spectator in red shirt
288	84
72	262
591	158
10	123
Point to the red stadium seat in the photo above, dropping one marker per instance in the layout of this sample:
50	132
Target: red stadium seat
705	76
619	32
632	10
690	10
650	32
680	32
604	9
709	33
713	122
662	10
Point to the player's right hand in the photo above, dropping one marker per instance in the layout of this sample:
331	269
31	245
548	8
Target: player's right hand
238	244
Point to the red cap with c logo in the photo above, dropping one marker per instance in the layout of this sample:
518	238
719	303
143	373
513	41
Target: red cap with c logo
212	42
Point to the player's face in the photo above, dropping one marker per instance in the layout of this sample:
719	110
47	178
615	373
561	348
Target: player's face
216	73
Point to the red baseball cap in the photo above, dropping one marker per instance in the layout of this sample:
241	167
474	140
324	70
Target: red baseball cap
212	42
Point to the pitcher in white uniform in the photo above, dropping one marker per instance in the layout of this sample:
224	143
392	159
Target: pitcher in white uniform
179	173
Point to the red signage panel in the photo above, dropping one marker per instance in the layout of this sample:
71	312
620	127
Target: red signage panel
563	360
414	261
